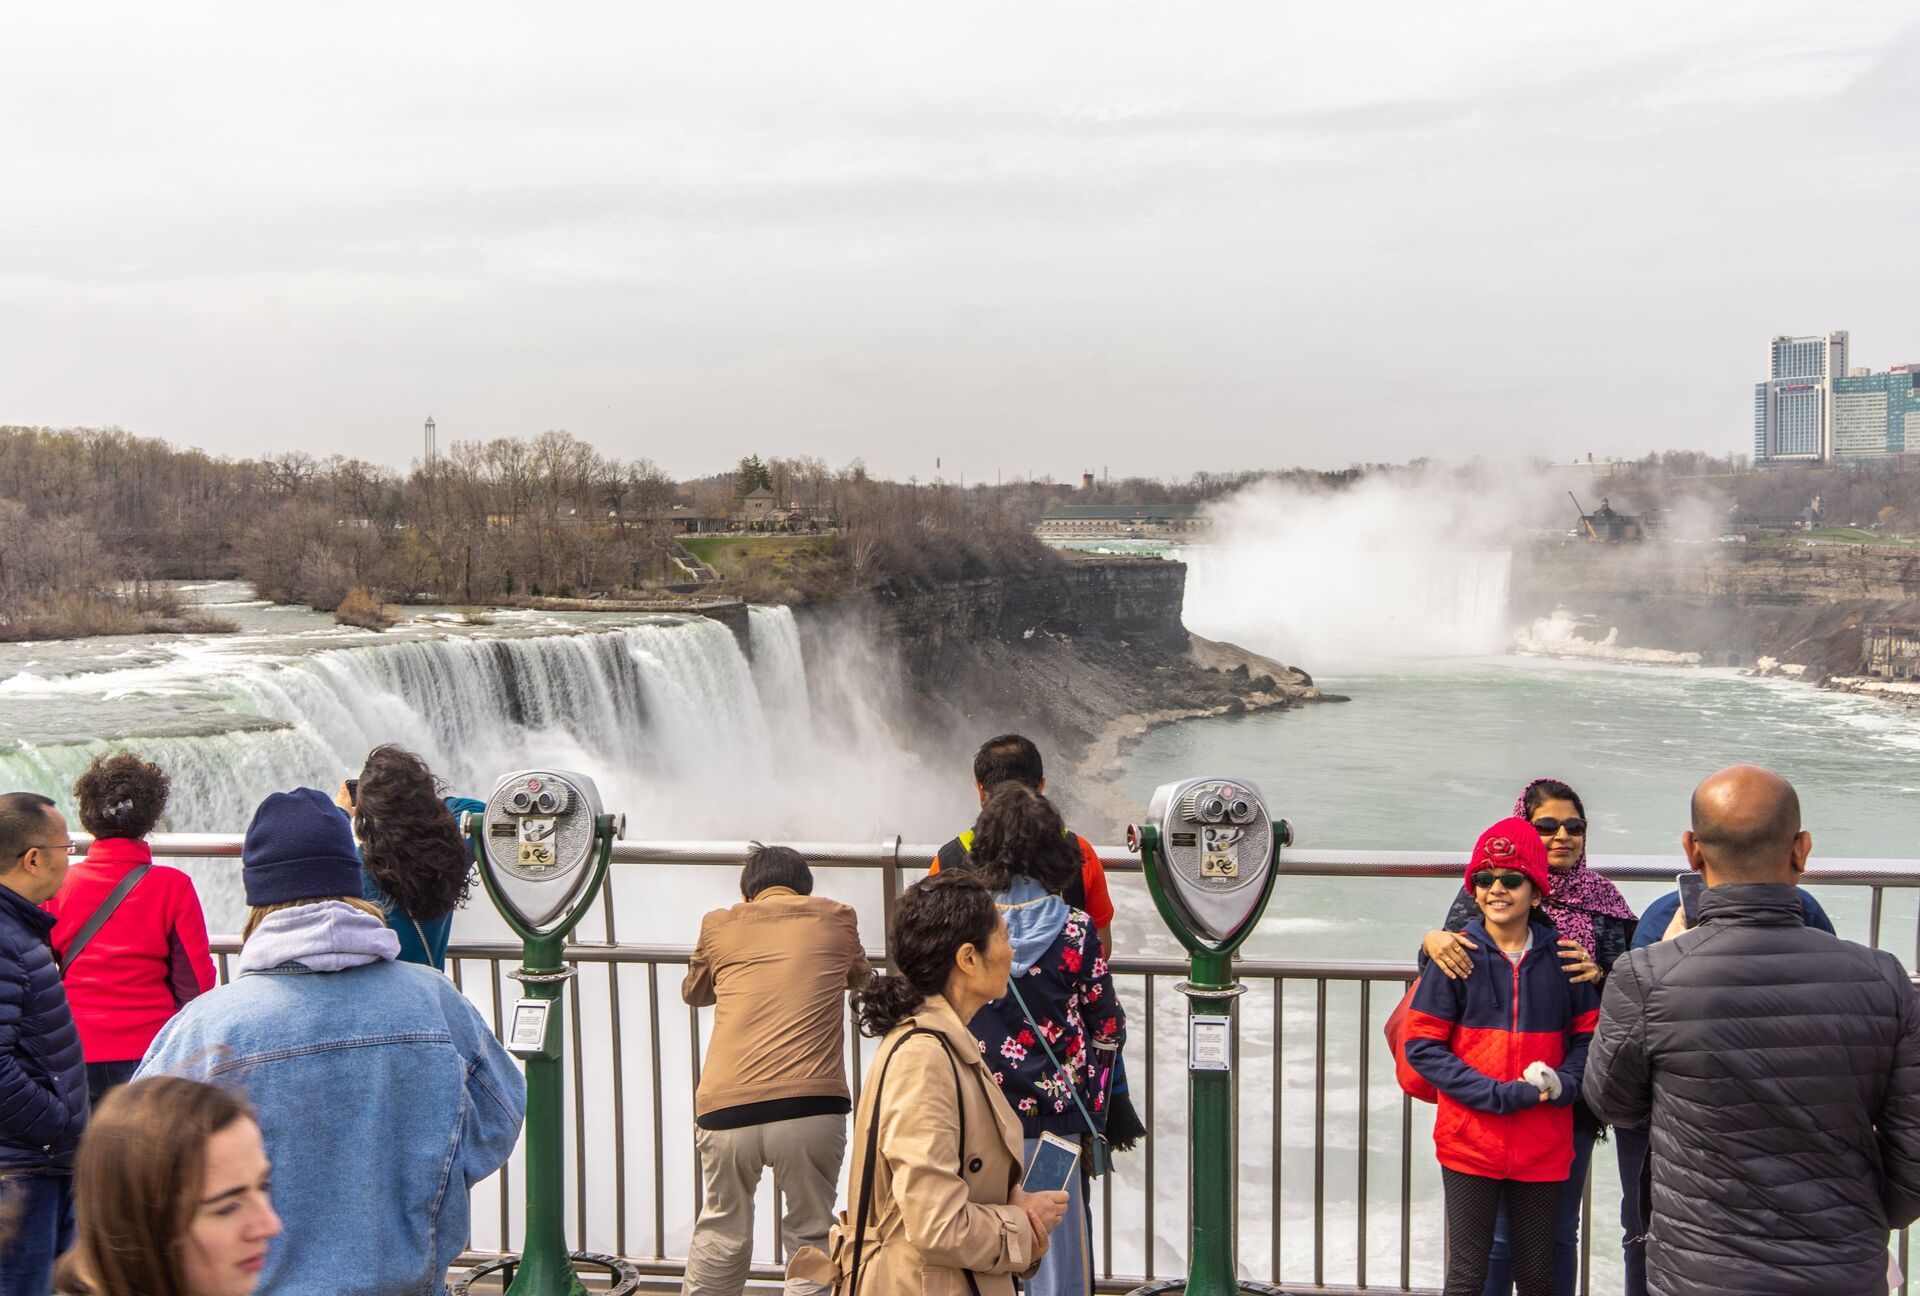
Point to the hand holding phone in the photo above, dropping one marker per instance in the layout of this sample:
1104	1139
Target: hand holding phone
1053	1164
1692	887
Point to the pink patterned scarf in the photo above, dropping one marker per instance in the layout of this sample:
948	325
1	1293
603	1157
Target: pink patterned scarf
1579	895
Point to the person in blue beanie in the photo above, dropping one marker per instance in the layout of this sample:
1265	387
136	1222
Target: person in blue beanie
382	1094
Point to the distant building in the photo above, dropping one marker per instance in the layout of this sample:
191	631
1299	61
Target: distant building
1069	520
755	505
1793	410
1877	414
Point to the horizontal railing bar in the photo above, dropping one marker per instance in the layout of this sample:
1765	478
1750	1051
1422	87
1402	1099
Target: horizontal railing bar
1257	969
1294	862
766	1273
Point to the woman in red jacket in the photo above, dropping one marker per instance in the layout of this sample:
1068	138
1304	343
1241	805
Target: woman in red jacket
150	956
1505	1046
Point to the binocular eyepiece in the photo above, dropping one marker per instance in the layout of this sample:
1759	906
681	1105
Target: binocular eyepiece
539	800
1215	805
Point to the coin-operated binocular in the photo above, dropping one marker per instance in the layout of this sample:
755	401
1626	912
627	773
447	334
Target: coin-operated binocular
543	845
1211	850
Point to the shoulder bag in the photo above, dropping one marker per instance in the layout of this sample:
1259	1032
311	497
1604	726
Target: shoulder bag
92	926
873	1147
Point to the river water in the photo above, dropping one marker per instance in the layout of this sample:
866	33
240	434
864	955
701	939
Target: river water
692	737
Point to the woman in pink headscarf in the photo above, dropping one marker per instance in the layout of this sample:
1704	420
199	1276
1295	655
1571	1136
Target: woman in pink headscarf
1595	928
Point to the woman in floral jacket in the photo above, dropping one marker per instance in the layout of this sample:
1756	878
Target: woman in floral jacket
1022	853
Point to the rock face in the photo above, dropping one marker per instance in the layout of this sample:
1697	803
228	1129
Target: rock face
1731	603
1083	658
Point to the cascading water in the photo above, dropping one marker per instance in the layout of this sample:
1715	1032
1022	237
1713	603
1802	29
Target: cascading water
780	671
678	728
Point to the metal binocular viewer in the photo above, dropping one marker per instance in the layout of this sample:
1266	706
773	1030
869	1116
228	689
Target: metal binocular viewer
543	845
1211	851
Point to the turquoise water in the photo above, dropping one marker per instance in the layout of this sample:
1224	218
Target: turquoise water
1425	758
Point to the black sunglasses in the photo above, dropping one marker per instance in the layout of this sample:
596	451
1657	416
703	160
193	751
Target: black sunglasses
1487	877
1548	827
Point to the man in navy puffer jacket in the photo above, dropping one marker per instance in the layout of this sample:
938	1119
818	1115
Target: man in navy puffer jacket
43	1074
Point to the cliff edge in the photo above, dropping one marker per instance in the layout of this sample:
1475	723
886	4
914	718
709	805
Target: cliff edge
1084	657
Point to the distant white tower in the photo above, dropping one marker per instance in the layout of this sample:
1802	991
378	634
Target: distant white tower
433	448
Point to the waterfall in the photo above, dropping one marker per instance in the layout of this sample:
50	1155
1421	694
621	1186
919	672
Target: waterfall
637	708
780	672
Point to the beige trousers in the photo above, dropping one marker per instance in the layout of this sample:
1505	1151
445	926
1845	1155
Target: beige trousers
805	1155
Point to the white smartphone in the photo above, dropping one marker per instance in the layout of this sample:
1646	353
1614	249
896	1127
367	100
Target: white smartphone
1053	1164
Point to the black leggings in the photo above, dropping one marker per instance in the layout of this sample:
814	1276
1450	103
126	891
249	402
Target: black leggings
1533	1209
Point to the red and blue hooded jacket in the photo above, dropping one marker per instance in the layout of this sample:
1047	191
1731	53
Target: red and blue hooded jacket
1473	1037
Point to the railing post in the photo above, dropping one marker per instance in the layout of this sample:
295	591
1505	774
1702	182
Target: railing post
889	889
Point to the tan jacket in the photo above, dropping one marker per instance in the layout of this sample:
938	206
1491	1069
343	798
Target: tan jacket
927	1224
777	968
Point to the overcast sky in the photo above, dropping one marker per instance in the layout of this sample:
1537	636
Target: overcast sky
1028	238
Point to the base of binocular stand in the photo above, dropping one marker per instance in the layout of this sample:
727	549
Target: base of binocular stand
622	1278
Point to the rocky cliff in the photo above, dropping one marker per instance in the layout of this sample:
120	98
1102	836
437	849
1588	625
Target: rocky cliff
1083	656
1731	603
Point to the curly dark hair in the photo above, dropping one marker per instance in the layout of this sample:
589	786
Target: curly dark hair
934	918
1020	834
120	795
411	845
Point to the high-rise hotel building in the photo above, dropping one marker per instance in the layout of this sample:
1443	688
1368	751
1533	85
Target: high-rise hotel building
1877	414
1793	408
1815	408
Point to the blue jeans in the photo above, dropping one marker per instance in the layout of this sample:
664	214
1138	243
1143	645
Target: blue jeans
104	1077
1631	1146
1067	1269
1566	1234
44	1228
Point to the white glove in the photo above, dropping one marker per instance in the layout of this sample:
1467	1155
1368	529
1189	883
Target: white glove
1544	1078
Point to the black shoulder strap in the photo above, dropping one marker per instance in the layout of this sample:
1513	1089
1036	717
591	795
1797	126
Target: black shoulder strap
99	919
873	1146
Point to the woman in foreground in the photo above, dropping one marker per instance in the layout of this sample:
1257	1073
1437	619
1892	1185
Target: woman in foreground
170	1194
934	1187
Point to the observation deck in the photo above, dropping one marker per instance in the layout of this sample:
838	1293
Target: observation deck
1336	1192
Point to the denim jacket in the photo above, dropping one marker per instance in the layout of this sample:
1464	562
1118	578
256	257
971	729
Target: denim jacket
382	1095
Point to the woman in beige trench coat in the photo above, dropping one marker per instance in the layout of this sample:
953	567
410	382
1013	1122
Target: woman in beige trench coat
946	1215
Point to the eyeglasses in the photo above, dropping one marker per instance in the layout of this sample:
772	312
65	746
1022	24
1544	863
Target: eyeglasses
1548	827
71	848
1487	877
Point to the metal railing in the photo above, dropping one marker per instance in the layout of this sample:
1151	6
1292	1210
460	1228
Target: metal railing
1335	1162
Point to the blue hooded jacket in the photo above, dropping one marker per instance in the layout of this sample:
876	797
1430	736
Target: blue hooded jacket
1061	973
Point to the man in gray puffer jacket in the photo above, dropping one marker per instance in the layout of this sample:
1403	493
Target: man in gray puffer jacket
1780	1066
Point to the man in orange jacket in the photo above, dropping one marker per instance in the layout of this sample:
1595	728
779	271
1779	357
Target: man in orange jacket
1012	758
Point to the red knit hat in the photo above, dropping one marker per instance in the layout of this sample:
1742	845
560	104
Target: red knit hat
1512	844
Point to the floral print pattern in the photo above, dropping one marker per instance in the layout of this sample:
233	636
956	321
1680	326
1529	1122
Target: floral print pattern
1070	993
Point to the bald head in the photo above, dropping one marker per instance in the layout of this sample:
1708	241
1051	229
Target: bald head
1746	827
